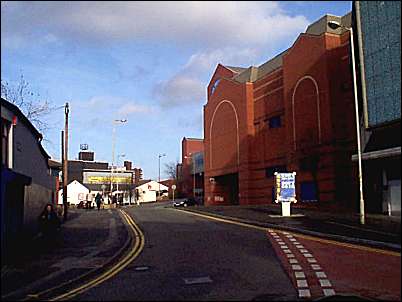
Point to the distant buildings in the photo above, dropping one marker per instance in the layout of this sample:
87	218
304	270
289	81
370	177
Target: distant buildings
76	192
100	177
190	173
146	191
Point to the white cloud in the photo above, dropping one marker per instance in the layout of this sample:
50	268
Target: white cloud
132	108
106	107
179	90
227	32
188	85
190	22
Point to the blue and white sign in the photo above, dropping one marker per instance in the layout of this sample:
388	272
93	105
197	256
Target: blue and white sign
285	184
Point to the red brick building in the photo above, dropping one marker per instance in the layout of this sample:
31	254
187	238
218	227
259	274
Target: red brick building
189	181
292	113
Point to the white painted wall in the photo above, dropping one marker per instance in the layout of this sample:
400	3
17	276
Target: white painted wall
147	191
75	193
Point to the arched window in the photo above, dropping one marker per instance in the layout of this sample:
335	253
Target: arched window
216	83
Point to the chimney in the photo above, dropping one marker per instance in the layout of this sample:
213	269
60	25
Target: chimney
128	165
86	155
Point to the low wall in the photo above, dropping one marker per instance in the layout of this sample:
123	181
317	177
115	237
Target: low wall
35	200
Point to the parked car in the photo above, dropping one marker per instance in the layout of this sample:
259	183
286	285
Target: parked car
185	203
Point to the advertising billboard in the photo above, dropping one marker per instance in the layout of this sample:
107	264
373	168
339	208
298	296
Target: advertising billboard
104	177
285	184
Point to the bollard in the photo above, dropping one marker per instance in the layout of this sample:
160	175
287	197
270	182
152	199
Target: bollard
286	208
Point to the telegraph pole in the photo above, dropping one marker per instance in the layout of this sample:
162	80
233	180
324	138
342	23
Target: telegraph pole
62	165
65	163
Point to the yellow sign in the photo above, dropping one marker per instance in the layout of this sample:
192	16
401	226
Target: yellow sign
106	179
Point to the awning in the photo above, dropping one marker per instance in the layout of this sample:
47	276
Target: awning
392	152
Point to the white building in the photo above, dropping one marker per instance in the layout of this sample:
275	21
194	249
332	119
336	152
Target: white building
76	192
147	189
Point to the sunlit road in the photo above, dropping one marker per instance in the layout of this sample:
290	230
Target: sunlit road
187	256
192	258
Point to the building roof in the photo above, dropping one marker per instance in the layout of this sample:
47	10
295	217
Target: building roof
54	164
22	118
236	69
192	139
143	181
252	73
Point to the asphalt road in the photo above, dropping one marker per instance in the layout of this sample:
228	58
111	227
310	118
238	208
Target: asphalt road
186	257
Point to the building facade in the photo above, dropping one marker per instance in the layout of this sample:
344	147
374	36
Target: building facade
99	177
28	179
378	28
189	182
293	113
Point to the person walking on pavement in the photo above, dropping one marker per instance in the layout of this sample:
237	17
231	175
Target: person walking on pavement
49	224
98	200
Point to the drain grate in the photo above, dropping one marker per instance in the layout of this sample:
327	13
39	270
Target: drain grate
199	280
141	268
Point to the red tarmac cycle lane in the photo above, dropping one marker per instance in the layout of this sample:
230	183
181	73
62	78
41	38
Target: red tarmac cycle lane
320	268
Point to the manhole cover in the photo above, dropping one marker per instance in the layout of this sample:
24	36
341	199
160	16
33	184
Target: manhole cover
199	280
141	268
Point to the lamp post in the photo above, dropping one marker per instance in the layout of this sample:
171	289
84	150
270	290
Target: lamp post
193	167
159	168
65	162
335	25
115	122
117	182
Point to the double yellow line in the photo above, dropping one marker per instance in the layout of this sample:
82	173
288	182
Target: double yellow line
133	254
139	242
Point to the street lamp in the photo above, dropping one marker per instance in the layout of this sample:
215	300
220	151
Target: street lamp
115	122
335	25
159	167
117	166
193	167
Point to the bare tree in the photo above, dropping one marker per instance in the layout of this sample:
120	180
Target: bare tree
170	170
31	104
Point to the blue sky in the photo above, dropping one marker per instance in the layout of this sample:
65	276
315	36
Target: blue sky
148	62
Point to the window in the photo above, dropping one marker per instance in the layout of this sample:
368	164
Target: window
275	122
269	172
215	85
5	128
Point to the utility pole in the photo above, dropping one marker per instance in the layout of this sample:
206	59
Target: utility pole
62	166
65	164
159	168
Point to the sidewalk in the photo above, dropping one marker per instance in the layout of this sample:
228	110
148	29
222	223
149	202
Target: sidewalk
88	240
379	231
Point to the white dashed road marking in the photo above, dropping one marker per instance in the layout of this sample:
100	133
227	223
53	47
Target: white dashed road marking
300	276
296	267
304	293
328	292
325	283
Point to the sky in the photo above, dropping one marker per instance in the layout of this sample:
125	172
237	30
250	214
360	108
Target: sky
147	62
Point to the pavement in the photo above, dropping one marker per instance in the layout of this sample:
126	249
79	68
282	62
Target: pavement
88	241
379	231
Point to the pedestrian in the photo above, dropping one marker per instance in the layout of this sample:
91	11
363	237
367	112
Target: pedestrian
98	200
49	223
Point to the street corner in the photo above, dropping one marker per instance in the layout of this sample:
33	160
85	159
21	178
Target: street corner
321	268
